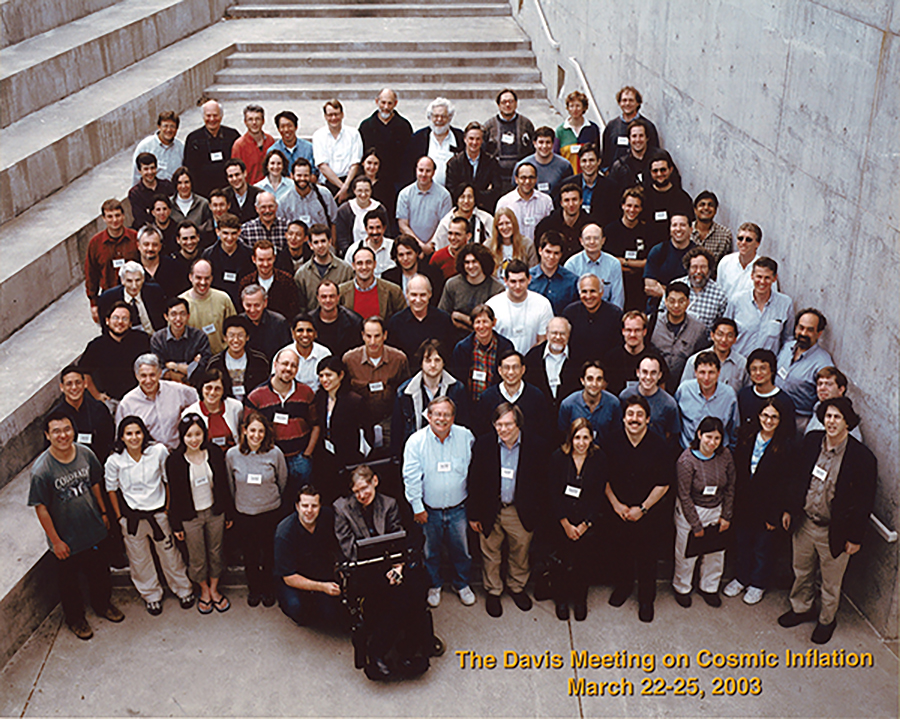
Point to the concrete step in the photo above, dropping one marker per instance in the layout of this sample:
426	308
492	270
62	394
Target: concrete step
22	19
51	147
64	60
339	47
360	91
390	9
336	79
386	57
307	3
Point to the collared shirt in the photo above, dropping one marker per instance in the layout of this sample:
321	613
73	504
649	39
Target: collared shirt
734	279
522	322
138	303
435	472
423	209
718	242
306	370
302	148
708	304
143	481
160	414
665	420
514	397
607	268
168	157
733	371
318	206
285	188
509	467
815	425
553	365
768	328
528	212
561	288
192	342
694	407
105	255
341	152
606	415
820	493
253	155
255	230
798	379
377	384
441	153
383	259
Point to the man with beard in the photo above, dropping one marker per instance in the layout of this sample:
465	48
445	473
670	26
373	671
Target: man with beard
438	140
663	197
309	203
707	301
164	271
707	233
632	169
508	136
800	361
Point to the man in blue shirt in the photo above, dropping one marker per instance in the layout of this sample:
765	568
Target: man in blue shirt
549	278
600	407
800	361
592	259
707	397
763	315
292	146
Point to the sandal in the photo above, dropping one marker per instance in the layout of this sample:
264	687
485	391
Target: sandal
223	605
204	606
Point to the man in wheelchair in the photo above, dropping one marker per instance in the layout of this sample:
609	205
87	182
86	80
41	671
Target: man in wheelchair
384	583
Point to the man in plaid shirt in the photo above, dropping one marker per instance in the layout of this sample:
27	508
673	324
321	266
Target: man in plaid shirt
707	300
707	233
268	226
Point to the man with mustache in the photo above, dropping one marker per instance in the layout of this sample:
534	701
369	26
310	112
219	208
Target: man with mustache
800	361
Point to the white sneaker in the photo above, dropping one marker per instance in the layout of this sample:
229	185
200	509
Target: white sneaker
434	596
467	596
733	589
753	595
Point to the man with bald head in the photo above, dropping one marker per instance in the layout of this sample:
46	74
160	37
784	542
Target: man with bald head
549	368
421	205
208	307
388	132
592	259
410	327
267	226
207	149
596	323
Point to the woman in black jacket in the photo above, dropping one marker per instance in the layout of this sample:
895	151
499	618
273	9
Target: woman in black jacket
200	508
762	461
577	483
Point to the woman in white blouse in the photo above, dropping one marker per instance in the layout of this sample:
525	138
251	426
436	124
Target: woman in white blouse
276	180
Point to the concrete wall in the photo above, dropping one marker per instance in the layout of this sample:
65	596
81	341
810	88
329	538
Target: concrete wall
790	113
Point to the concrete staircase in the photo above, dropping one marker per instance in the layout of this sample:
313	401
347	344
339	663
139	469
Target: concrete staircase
368	8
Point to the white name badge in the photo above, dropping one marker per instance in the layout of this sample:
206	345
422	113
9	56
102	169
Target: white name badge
210	329
378	432
254	479
220	441
216	157
305	218
543	186
118	263
508	138
573	491
820	473
575	148
782	372
710	491
280	418
329	446
660	215
631	254
444	466
631	383
237	390
229	276
479	375
622	141
639	243
507	473
640	178
530	221
376	386
200	481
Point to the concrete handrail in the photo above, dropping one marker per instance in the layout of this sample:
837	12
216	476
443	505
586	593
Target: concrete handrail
545	25
582	80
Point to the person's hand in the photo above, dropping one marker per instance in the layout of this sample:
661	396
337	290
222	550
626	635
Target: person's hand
632	514
179	536
428	248
461	320
106	521
331	589
724	524
770	527
699	532
476	527
786	521
62	551
851	548
421	517
229	523
653	288
95	314
571	531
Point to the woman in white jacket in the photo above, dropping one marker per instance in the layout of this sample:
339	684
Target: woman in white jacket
221	414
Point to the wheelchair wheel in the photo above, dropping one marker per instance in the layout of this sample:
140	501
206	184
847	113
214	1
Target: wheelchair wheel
437	646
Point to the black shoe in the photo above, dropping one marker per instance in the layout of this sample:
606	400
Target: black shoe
254	599
711	598
154	609
186	602
822	633
645	613
562	611
521	600
268	600
377	669
792	619
619	597
580	612
493	605
683	599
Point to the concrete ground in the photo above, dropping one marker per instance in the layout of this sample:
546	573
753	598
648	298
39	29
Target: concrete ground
255	662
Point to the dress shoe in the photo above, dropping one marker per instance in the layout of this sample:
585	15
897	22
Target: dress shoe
792	619
683	599
521	600
619	597
580	612
113	614
377	669
822	633
268	600
645	612
711	598
493	605
83	630
254	599
562	611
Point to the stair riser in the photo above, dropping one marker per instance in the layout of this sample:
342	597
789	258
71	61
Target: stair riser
376	46
22	19
351	92
239	13
355	63
389	77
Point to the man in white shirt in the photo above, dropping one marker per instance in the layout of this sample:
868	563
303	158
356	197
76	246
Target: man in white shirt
734	273
522	315
309	352
530	205
375	222
337	151
162	144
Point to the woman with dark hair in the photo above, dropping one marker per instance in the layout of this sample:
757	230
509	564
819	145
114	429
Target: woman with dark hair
138	494
465	204
382	190
257	475
276	169
705	498
762	461
200	508
221	415
349	224
578	476
188	206
344	423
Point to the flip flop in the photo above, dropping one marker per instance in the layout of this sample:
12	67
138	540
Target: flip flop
204	607
223	605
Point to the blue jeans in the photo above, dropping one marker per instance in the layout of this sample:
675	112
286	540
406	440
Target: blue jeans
754	555
299	473
447	526
307	607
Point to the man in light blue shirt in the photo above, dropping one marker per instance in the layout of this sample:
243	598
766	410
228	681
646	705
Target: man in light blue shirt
707	397
593	260
800	361
288	123
421	206
549	278
435	466
601	408
764	317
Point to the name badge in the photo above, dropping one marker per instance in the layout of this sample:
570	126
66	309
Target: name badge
220	441
543	186
443	466
305	218
85	438
820	473
508	138
329	446
639	243
631	254
137	327
376	386
280	418
200	481
631	383
640	178
660	215
782	372
530	221
229	276
118	263
575	148
216	157
479	375
572	491
622	141
237	390
710	491
507	473
210	329
254	479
